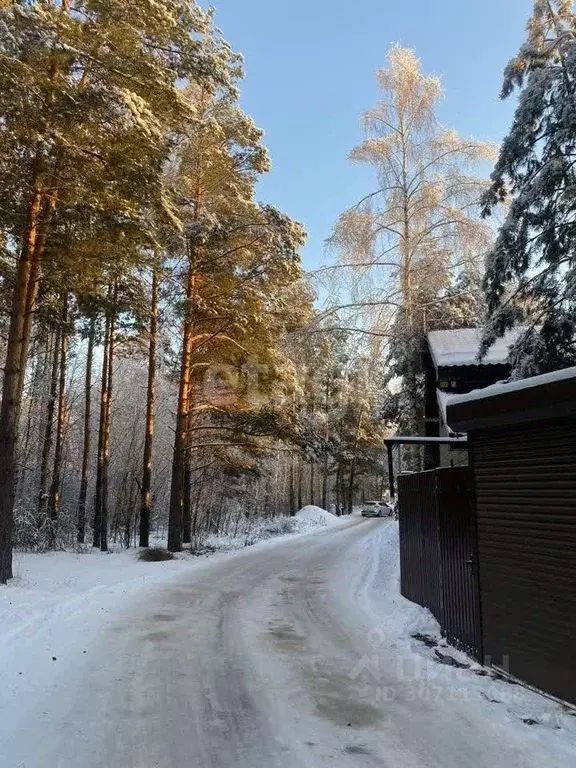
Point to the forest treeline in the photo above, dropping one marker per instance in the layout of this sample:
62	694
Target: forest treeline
166	367
153	376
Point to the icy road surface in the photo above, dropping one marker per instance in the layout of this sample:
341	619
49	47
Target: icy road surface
271	658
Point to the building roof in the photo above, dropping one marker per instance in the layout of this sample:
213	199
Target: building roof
551	395
461	347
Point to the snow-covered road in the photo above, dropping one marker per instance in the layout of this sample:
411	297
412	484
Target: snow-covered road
271	658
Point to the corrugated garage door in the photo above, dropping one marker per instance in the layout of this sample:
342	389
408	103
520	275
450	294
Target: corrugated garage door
526	505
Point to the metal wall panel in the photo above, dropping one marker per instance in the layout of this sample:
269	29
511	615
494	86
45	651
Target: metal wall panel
431	570
409	521
420	574
459	559
525	486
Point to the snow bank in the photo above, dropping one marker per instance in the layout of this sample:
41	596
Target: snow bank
318	516
254	530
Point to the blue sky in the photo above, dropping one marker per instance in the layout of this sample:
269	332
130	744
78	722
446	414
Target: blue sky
310	74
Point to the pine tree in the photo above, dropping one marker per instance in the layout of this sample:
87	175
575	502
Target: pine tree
146	487
90	99
235	252
531	271
87	431
120	138
55	486
48	430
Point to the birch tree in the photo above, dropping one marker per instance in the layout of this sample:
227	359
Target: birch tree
406	242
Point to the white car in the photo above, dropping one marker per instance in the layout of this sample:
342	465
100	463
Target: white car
376	509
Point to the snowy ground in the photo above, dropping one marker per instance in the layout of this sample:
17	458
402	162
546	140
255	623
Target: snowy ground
295	652
397	620
66	583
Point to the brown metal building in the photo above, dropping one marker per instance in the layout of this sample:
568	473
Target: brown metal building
522	441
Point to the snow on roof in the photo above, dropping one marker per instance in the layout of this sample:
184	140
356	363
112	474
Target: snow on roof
503	388
460	347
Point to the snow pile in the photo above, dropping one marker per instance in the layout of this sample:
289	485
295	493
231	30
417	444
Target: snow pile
317	516
256	529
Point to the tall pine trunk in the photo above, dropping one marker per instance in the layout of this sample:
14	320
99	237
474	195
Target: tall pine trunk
25	291
199	487
41	355
146	488
338	488
312	460
175	521
97	520
187	503
326	436
81	537
42	506
181	436
351	479
54	495
352	476
343	489
312	483
23	297
107	427
187	500
291	489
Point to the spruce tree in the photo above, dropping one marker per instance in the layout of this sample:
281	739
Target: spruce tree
531	270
